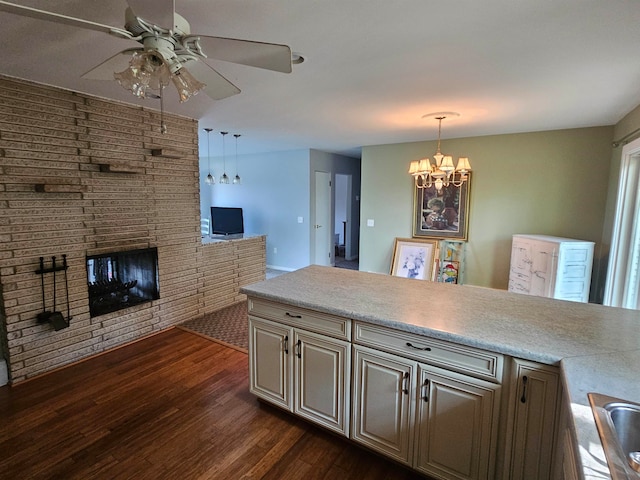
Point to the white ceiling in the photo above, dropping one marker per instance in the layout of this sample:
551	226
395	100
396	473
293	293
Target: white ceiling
373	67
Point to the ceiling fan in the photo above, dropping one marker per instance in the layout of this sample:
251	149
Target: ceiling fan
166	49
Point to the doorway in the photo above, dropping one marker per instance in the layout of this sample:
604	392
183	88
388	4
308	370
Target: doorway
343	225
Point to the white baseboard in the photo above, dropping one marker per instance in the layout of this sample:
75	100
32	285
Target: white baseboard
4	373
282	269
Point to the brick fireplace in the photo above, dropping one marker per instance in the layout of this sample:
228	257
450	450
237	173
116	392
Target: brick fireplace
84	176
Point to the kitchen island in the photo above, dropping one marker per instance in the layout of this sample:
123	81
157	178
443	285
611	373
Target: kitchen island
594	348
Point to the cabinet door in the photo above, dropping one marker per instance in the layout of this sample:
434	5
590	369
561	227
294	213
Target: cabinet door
383	402
321	387
457	425
270	361
534	427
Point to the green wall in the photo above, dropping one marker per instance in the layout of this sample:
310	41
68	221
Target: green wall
552	183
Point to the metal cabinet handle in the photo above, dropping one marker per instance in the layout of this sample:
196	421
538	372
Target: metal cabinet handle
292	316
425	385
523	398
405	382
286	344
425	349
299	349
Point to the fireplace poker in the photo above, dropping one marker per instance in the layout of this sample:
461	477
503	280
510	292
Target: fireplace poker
66	285
43	316
56	318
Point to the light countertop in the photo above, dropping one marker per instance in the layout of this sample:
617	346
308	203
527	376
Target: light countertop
212	239
597	347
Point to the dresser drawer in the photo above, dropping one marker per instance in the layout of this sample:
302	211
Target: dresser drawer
477	363
323	323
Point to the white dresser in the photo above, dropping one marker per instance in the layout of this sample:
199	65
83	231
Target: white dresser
551	267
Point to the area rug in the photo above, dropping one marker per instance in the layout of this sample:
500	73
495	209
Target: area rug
228	326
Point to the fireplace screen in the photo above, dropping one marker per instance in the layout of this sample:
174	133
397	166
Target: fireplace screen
122	279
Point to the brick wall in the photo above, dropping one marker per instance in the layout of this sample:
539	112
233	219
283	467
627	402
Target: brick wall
60	139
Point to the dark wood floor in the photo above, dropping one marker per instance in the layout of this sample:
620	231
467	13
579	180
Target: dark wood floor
175	406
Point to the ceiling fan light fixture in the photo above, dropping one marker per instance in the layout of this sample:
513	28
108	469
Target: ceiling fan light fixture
186	84
145	71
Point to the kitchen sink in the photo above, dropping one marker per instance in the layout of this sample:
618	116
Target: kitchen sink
618	423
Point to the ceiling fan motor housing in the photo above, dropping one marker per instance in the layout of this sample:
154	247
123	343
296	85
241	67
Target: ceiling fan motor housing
164	48
137	25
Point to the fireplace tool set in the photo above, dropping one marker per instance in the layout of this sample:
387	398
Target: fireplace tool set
55	318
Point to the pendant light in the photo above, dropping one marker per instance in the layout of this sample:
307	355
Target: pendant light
210	180
236	179
224	178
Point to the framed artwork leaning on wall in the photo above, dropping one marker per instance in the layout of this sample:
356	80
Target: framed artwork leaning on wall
413	258
441	213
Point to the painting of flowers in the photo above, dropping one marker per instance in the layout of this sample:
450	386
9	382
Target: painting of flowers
413	258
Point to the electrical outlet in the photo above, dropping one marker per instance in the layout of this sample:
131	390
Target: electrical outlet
299	219
370	222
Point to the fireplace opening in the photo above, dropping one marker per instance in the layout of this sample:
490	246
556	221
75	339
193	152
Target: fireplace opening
122	279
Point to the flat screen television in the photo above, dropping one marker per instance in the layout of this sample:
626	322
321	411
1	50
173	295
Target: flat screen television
226	220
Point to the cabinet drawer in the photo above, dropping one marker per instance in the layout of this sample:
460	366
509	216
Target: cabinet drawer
577	254
575	271
323	323
435	352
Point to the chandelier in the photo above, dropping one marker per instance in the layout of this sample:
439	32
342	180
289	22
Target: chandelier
442	173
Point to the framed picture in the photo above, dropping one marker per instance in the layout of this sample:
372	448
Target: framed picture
441	213
413	258
448	271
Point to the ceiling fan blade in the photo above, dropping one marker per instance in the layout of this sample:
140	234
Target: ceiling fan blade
117	63
271	56
58	18
157	12
217	87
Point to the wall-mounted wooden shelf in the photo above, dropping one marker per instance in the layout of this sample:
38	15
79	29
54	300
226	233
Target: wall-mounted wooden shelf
119	168
166	153
60	188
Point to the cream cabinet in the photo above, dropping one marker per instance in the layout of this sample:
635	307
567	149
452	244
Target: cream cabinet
434	419
435	406
456	425
532	421
302	371
566	463
551	267
383	403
